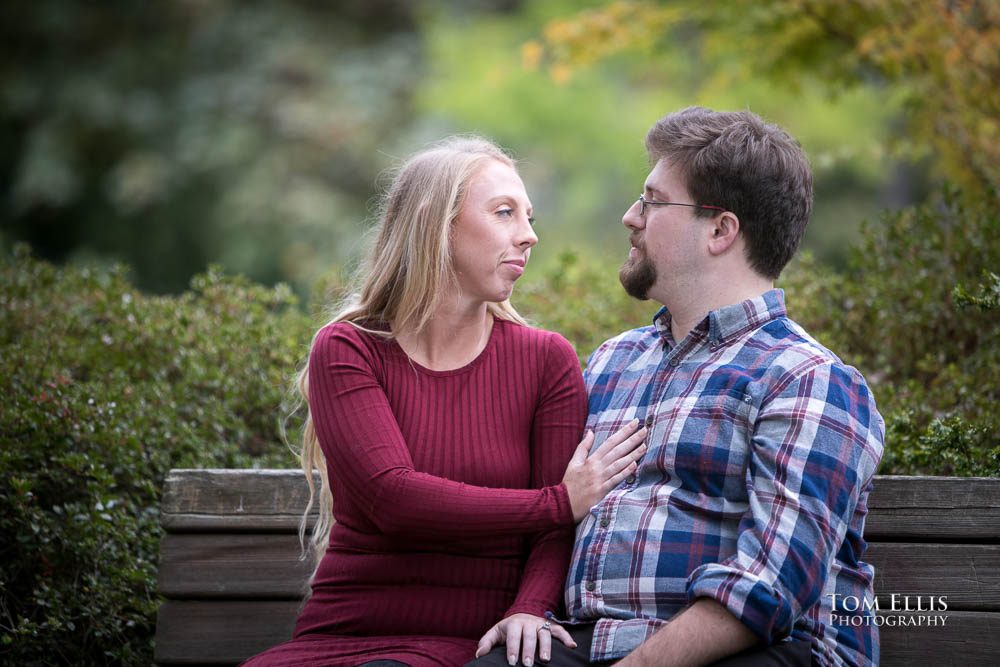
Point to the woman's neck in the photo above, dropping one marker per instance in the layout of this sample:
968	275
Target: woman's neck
453	338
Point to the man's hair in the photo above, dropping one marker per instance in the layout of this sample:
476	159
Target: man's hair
738	162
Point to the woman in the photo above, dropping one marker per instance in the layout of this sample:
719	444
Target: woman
445	425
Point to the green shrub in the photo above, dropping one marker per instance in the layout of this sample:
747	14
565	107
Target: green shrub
930	348
106	389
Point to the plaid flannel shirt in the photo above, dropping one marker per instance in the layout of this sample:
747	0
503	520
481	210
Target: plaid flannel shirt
753	492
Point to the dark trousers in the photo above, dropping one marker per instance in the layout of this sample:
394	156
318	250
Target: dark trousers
785	654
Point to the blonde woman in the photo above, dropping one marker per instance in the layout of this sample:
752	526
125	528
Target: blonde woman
442	426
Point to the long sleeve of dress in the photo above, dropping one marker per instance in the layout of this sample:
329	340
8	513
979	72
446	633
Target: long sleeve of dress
362	442
557	428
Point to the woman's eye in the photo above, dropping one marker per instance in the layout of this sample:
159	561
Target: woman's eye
531	220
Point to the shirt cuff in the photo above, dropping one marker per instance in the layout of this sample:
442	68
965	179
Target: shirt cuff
757	604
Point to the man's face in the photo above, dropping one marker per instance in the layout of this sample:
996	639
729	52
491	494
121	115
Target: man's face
665	253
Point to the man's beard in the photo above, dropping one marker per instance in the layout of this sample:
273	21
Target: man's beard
638	277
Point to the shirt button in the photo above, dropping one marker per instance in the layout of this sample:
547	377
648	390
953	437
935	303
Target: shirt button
674	362
630	479
591	586
605	522
649	421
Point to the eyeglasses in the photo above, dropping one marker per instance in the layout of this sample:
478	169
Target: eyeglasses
643	203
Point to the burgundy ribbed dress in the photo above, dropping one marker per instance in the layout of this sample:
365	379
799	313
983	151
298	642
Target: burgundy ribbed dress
446	488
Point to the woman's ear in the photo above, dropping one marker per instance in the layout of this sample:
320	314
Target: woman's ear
724	230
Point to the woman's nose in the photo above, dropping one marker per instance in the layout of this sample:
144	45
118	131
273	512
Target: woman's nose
526	236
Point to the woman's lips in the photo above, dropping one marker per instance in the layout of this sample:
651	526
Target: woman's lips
516	266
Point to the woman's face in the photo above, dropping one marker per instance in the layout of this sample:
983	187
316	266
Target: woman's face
492	236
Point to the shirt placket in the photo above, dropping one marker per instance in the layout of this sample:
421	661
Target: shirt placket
598	566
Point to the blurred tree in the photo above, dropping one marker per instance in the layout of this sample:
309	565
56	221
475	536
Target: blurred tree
173	134
941	58
250	134
578	131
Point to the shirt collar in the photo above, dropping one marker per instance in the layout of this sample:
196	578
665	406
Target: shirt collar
729	322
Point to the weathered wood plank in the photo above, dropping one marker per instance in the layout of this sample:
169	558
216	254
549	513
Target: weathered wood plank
953	493
220	633
267	566
225	491
968	639
262	566
968	574
222	499
932	525
923	509
228	632
901	508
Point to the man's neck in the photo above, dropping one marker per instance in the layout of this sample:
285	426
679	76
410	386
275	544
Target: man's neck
689	307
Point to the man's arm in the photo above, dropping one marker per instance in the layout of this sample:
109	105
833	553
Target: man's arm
814	447
700	635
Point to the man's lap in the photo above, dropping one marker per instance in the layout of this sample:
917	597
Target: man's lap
562	655
785	654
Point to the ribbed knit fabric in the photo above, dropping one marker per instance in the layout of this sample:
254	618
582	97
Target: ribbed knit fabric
449	509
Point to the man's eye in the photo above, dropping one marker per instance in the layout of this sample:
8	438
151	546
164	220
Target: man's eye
531	221
507	212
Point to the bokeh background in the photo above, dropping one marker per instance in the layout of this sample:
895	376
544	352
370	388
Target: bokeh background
185	184
253	134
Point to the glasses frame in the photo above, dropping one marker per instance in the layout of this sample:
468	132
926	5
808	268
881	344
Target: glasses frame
643	203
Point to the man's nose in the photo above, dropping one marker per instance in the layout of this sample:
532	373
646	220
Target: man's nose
632	219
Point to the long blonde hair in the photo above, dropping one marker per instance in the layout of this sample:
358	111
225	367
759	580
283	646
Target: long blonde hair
402	277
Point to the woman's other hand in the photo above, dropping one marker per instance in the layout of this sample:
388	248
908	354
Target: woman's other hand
589	478
523	633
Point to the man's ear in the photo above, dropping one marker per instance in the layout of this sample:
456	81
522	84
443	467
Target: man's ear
724	230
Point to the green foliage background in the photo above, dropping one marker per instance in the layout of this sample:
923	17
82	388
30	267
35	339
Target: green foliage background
143	143
106	389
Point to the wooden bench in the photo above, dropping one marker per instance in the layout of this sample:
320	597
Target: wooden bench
232	579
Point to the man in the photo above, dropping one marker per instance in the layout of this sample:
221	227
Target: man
745	516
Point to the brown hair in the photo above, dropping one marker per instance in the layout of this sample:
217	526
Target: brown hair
736	161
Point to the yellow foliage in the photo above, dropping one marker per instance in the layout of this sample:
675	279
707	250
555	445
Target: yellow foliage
531	55
595	34
944	54
561	73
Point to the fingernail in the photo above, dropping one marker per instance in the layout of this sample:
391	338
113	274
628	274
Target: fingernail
511	660
544	656
634	423
527	662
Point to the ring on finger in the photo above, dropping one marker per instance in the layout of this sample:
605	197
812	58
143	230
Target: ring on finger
546	626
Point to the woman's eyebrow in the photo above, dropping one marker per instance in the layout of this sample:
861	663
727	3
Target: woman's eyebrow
510	199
